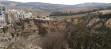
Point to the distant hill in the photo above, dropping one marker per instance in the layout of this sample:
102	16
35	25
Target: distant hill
52	7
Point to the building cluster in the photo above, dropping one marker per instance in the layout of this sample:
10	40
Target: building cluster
14	15
9	16
2	14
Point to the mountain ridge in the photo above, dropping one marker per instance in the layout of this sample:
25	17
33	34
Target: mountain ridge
53	7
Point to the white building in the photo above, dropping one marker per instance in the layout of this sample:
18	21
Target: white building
2	16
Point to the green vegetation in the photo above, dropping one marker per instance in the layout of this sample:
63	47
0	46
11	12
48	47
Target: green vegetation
91	41
82	38
76	13
62	18
71	13
37	11
105	16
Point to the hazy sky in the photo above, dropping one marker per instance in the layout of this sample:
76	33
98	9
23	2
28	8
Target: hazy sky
68	2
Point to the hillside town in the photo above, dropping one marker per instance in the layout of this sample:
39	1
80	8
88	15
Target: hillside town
10	16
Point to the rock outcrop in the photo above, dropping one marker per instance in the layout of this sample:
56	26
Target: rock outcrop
32	34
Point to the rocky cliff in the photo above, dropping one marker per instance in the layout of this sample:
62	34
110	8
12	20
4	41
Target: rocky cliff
89	32
32	34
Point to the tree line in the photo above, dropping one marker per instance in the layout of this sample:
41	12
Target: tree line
59	13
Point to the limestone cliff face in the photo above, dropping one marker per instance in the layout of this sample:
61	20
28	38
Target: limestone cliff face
18	35
5	40
32	34
98	22
108	23
94	20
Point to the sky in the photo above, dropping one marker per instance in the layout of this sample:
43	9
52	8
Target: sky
66	2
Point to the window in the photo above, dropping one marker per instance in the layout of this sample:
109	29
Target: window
3	8
0	12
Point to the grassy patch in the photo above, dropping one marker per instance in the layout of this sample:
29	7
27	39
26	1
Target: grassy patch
69	17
